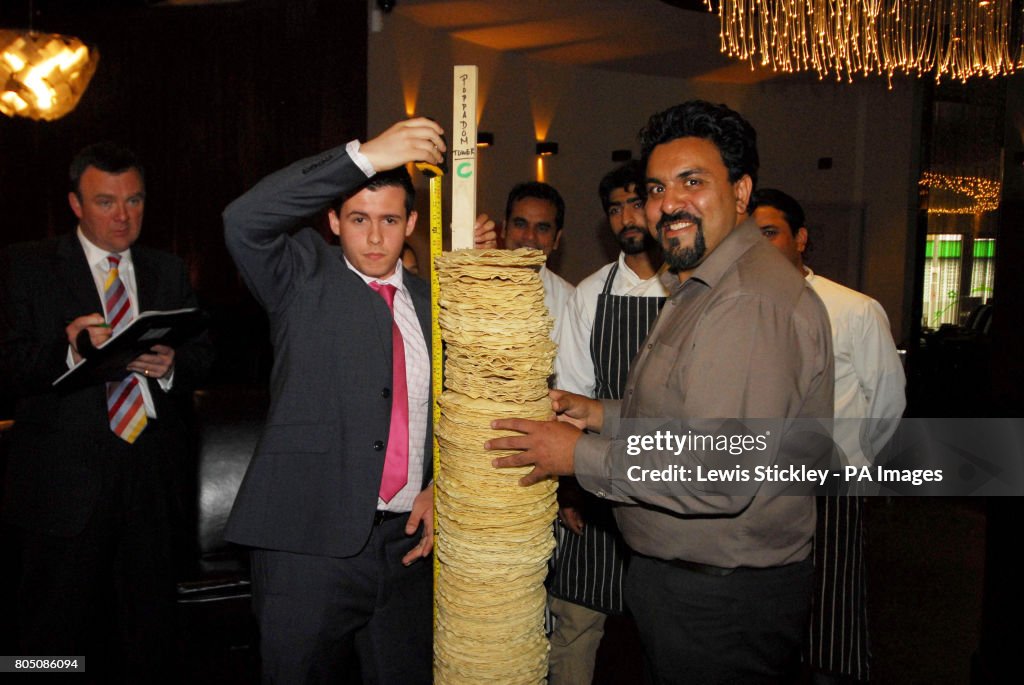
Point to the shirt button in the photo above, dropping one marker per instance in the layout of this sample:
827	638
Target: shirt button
385	393
378	445
650	346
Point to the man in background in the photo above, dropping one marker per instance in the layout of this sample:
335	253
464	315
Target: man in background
599	333
534	216
869	401
93	483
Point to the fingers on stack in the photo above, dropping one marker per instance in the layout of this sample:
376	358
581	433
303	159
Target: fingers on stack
494	536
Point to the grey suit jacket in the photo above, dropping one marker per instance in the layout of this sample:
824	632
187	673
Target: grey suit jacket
312	485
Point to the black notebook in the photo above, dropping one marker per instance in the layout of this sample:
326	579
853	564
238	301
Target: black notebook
108	361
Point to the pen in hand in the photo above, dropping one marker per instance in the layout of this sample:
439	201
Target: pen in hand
85	333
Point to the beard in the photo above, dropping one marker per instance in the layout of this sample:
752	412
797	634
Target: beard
631	243
677	256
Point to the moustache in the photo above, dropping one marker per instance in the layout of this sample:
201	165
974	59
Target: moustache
667	219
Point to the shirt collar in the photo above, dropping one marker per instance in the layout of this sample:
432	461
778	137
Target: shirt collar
632	278
722	258
396	279
97	256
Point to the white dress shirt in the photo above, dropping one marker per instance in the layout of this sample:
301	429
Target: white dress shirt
100	267
557	292
417	375
869	376
574	367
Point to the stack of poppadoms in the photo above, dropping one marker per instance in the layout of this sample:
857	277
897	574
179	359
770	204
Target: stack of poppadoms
493	535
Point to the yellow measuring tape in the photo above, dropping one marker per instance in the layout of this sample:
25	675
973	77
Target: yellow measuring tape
436	175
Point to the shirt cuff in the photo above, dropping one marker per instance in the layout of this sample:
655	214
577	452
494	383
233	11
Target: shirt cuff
591	464
167	382
352	148
612	418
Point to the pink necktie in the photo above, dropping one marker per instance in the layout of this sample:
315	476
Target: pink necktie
126	411
396	460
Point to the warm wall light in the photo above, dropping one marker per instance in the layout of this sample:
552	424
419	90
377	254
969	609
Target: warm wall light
43	75
484	139
546	149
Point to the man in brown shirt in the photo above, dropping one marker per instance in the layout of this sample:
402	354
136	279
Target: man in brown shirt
720	586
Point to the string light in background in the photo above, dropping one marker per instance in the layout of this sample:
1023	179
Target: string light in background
954	38
981	194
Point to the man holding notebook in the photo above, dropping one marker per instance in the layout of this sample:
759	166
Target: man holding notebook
92	482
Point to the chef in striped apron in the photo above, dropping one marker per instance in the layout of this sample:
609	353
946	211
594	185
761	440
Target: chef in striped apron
869	383
600	331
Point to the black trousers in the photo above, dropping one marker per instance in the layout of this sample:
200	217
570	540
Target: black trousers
746	627
312	609
107	593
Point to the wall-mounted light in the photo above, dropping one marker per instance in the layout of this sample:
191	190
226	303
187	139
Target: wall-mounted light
43	75
622	155
546	149
484	139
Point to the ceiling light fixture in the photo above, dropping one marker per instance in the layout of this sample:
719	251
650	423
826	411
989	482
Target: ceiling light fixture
43	75
950	38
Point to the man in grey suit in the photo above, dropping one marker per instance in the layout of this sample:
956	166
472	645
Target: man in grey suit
336	558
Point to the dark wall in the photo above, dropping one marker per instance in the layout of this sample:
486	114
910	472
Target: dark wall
212	97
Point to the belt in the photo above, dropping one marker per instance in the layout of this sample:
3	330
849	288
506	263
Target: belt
381	516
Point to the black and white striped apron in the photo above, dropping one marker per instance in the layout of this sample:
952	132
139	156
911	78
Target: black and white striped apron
588	569
838	641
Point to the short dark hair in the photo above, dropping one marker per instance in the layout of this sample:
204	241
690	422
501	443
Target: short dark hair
630	174
107	156
541	191
393	178
733	135
791	210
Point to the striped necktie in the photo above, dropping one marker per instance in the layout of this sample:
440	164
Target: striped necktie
396	459
125	408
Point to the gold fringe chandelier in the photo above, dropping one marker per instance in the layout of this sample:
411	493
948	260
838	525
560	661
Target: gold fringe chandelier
957	39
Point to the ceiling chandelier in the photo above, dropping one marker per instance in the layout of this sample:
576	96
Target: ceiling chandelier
43	75
957	39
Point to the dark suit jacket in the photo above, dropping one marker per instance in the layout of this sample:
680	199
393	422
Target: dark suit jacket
312	485
61	442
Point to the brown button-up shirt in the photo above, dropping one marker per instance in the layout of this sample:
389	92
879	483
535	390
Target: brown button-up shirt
744	337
